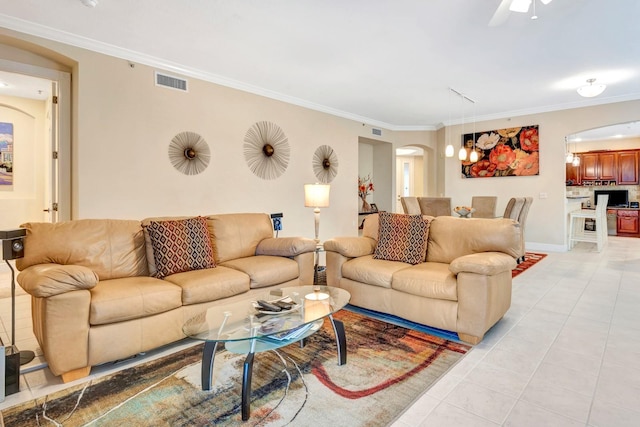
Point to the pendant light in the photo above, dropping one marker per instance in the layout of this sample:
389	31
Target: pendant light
473	157
448	152
462	154
569	155
576	158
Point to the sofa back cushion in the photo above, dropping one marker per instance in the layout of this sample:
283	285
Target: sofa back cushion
451	237
237	235
402	238
180	245
111	248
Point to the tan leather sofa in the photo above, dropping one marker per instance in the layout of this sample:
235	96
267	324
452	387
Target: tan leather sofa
463	286
95	301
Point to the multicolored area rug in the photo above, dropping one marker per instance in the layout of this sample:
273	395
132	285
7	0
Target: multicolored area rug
530	259
387	368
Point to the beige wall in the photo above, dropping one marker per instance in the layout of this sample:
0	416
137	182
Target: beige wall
122	125
25	201
546	224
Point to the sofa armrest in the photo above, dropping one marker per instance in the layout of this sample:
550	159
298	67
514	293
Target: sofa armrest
46	280
285	246
485	263
351	247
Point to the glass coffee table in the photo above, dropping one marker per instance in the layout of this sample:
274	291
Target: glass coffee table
246	328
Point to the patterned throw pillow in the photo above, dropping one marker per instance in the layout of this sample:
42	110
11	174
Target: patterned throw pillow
402	238
181	245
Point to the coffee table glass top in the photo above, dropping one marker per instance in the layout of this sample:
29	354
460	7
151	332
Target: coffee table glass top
244	320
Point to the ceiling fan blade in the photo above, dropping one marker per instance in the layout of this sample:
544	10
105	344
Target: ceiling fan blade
501	14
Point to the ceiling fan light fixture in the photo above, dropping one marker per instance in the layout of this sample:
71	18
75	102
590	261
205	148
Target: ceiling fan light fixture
521	6
590	90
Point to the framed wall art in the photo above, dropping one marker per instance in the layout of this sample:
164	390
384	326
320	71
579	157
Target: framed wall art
503	152
6	155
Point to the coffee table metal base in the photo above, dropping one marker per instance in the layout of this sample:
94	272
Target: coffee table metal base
209	353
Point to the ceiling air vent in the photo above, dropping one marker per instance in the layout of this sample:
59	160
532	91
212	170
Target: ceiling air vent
376	131
171	82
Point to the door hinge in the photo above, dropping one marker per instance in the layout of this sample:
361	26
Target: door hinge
55	155
55	99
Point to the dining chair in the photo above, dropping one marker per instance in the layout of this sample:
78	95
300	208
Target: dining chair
410	205
485	206
435	206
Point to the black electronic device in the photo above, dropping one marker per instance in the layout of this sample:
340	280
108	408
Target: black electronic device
277	222
617	198
13	243
267	306
13	248
284	305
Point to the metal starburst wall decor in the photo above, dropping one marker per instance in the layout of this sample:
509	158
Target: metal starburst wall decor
189	153
325	164
266	150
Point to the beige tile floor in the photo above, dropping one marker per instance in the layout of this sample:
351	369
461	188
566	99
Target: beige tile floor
566	354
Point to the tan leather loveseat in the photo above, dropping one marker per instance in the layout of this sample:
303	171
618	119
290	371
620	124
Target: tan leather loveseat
95	301
463	285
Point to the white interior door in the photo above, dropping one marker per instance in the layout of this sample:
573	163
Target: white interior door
404	180
52	153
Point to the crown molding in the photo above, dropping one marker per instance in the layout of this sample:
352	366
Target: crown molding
56	35
45	32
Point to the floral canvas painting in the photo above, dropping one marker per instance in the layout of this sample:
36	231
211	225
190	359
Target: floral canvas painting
503	152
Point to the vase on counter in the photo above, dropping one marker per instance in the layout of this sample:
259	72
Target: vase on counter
366	207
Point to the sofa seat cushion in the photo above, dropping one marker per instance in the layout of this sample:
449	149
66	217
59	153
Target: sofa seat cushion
429	280
129	298
376	272
210	284
266	270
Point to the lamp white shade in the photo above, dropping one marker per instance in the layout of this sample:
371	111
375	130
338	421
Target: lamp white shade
316	195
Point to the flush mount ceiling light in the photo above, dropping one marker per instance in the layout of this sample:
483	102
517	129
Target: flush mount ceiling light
501	14
90	3
590	90
522	6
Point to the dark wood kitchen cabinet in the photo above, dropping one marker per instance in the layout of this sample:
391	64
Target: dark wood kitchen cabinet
572	174
598	166
627	168
628	222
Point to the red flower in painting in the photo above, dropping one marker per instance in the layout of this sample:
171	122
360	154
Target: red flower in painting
483	169
502	156
529	140
528	166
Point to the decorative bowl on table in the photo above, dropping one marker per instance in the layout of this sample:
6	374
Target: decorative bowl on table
463	211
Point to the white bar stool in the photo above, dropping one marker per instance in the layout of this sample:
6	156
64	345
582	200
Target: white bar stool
577	233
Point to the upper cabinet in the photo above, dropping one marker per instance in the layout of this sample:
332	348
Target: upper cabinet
606	168
572	174
627	168
598	166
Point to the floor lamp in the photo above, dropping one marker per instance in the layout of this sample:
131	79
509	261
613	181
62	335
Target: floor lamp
316	196
13	248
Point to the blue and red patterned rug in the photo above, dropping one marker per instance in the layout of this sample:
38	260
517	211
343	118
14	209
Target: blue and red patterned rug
388	367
